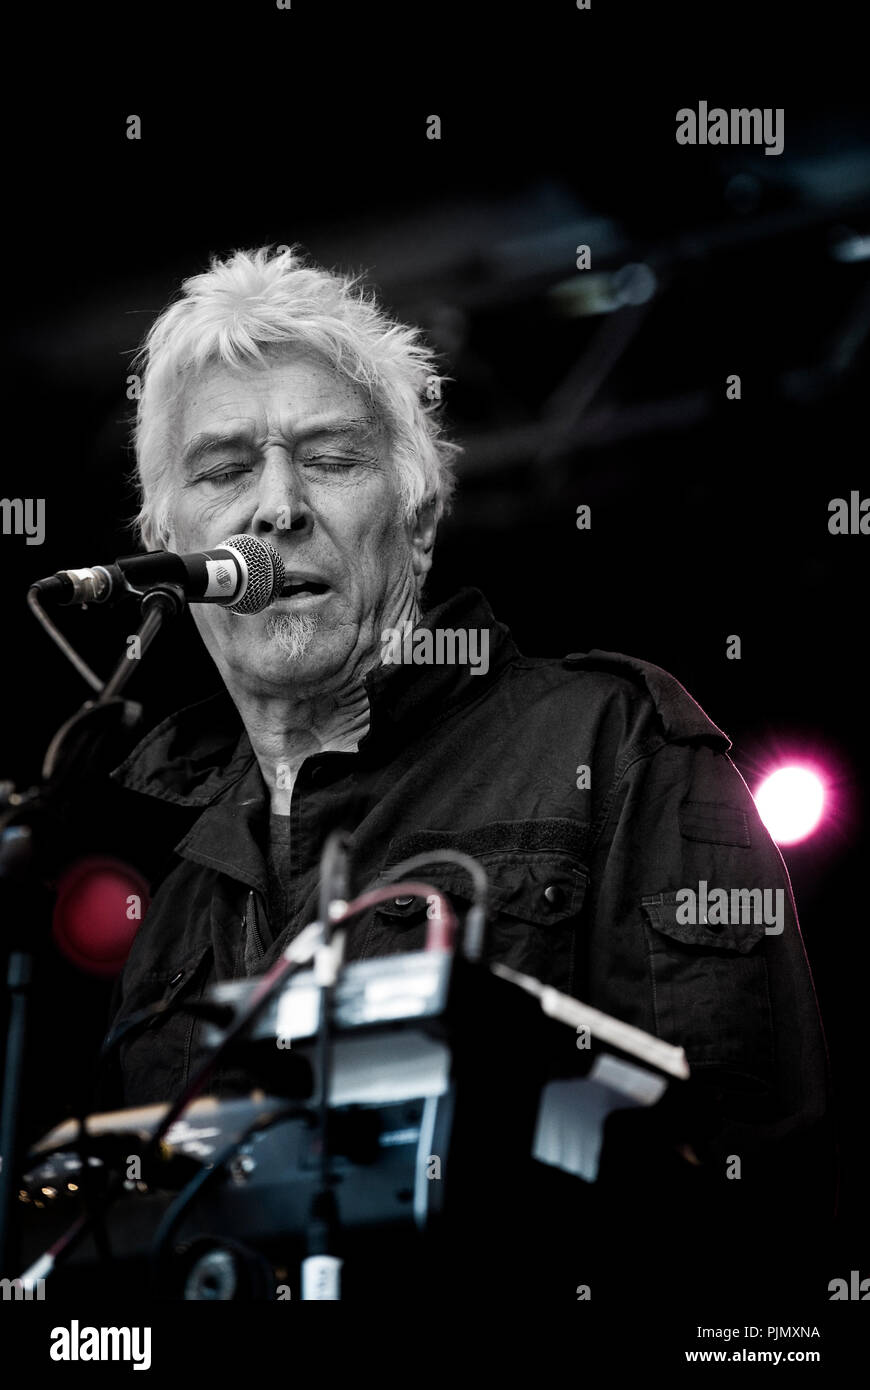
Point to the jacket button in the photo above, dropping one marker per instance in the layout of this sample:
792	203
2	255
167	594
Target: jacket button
555	895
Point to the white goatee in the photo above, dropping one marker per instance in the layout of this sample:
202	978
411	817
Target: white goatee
292	633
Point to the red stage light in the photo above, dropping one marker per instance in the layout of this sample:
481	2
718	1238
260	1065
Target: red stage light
100	904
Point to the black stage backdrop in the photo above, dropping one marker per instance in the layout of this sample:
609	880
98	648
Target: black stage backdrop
709	515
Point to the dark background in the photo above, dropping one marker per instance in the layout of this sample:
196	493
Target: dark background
709	517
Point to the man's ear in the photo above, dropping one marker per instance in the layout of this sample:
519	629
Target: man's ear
423	539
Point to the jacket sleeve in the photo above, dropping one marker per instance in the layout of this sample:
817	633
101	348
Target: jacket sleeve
723	975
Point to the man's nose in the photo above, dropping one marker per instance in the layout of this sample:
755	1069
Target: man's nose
282	504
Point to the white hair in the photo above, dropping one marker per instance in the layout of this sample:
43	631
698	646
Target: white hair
259	300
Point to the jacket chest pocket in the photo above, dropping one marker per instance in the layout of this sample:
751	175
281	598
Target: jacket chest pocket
710	989
537	886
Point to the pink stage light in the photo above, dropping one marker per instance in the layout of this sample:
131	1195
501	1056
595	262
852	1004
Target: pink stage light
790	802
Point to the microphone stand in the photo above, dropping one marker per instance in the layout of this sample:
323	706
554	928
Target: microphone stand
24	856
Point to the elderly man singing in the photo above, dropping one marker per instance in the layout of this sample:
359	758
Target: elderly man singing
280	401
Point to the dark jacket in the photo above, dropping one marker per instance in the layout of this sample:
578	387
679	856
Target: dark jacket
584	869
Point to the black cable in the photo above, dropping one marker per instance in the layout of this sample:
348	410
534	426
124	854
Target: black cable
264	990
219	1014
475	870
95	1208
475	921
172	1216
322	1222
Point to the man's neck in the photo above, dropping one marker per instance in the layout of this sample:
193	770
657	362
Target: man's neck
284	733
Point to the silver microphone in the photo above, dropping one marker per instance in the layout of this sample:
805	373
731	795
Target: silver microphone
244	574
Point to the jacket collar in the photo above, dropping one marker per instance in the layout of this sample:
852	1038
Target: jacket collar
200	754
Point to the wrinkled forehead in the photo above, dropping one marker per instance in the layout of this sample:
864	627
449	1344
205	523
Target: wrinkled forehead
292	393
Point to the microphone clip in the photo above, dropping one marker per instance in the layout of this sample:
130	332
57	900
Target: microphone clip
171	598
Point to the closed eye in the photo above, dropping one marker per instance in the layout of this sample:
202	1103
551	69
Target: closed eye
331	462
226	476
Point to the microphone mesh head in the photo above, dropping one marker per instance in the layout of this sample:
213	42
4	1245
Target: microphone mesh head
266	574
